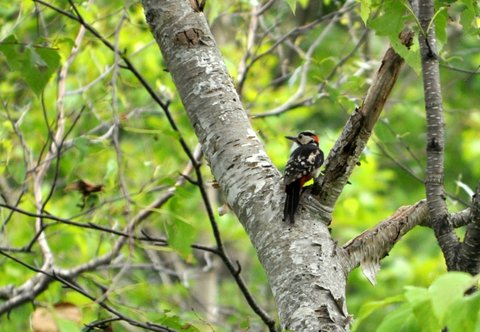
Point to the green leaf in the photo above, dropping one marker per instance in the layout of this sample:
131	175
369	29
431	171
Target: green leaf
391	21
468	17
399	320
180	237
303	3
173	321
421	303
368	308
65	325
245	324
441	20
35	64
411	56
448	289
464	314
365	8
415	295
292	4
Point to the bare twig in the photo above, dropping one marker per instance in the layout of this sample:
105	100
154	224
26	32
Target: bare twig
116	119
55	150
470	72
270	322
49	276
234	269
37	284
26	160
251	34
300	92
319	94
129	65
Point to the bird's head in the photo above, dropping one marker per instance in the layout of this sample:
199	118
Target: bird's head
305	137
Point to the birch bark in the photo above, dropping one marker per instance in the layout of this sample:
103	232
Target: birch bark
305	275
307	271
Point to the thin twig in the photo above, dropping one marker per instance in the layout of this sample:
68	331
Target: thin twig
54	276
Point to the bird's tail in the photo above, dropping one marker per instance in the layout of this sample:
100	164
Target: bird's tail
291	201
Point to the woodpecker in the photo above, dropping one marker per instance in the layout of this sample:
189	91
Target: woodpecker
303	164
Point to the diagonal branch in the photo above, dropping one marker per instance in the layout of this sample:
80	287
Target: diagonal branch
57	139
301	89
368	248
345	154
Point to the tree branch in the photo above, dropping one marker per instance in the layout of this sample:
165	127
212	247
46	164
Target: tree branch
469	254
439	216
460	218
346	152
49	276
301	89
37	284
251	184
368	248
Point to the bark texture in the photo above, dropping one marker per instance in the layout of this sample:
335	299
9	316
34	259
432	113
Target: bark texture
307	271
435	136
371	246
469	253
305	275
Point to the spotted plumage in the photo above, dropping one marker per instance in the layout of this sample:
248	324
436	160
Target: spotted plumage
303	164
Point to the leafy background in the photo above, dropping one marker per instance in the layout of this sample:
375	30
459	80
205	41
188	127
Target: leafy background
35	41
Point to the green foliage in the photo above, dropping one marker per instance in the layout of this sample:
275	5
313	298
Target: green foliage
443	304
35	42
293	4
365	8
181	235
469	13
35	63
391	21
67	326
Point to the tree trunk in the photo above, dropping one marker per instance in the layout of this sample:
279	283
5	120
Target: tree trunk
305	275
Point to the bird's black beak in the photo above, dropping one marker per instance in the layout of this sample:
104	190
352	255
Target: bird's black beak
292	138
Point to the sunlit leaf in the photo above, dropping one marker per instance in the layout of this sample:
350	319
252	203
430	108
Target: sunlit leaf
368	308
292	4
180	237
399	320
365	8
421	304
36	64
464	314
446	290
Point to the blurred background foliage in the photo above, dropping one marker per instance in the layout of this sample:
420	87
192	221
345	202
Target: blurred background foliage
191	286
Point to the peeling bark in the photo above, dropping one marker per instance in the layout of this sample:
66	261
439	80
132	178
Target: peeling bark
301	262
368	248
306	270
